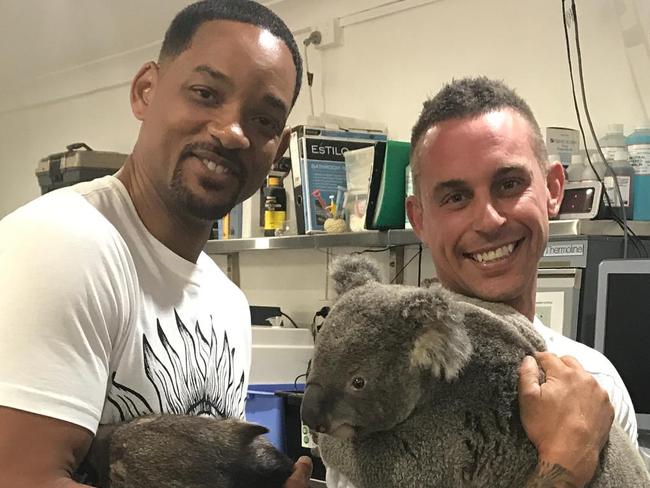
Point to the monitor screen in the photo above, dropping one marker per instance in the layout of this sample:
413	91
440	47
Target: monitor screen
623	327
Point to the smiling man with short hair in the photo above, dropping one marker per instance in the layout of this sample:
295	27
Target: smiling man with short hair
484	194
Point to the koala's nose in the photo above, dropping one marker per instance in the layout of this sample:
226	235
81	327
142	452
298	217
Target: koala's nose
314	408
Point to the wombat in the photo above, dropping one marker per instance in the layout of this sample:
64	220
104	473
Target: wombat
165	451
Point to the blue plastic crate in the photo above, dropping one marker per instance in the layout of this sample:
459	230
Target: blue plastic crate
265	408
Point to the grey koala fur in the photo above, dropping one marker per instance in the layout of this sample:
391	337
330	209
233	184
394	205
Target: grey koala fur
183	451
439	404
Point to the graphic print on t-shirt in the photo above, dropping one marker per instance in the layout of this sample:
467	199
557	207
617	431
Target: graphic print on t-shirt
203	383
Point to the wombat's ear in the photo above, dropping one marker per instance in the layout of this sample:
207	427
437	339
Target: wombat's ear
349	272
246	433
442	346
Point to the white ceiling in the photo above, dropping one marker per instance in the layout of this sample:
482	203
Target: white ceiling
39	37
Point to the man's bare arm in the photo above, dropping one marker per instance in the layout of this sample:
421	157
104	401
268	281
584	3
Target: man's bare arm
567	418
39	451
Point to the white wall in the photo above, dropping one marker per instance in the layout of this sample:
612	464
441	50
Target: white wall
384	69
103	120
387	66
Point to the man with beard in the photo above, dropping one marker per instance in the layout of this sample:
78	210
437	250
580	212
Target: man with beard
110	309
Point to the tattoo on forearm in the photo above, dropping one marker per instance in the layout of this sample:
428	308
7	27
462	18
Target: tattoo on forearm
547	475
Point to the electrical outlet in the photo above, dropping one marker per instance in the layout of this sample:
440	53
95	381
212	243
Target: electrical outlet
331	33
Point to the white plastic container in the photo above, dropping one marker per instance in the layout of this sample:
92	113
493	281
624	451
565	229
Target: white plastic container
576	168
588	173
612	141
562	141
358	169
624	174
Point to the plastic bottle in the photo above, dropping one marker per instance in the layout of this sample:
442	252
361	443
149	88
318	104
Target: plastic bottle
624	174
576	168
588	173
275	207
638	145
613	141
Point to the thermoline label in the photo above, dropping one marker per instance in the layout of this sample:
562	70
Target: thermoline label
640	158
555	249
623	184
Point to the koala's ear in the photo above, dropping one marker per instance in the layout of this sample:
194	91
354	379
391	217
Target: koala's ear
442	346
349	272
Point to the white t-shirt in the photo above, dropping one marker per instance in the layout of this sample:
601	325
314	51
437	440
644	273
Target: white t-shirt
591	360
99	321
601	369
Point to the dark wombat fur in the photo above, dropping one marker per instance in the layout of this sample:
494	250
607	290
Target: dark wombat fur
165	451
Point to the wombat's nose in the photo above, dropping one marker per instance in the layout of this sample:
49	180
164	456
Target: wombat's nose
314	408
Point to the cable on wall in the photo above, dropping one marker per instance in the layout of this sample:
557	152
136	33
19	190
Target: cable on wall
621	221
399	272
313	39
290	320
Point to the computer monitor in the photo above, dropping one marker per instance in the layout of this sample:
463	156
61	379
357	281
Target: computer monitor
622	328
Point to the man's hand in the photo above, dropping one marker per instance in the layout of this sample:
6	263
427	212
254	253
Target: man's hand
567	418
301	473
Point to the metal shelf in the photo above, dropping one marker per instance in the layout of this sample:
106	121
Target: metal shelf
401	237
561	228
396	237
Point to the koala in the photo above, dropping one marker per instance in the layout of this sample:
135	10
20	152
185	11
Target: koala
414	387
174	451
